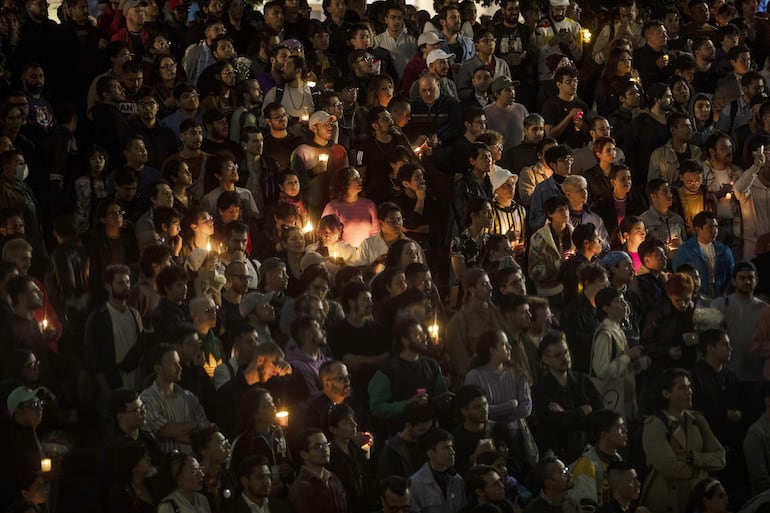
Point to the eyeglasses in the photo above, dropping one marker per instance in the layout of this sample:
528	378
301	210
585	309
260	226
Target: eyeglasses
117	213
228	72
567	159
164	44
696	181
324	446
206	219
279	117
168	67
139	409
366	58
211	309
32	365
394	220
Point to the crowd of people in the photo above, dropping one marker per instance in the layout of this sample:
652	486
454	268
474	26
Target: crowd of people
256	261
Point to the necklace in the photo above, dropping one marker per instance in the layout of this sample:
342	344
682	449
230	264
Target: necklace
291	100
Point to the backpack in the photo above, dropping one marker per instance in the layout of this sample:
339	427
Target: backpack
636	446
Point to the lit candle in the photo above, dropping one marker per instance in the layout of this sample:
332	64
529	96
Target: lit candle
45	324
308	227
367	446
433	331
323	157
728	196
310	84
305	117
586	35
45	465
334	254
282	418
208	247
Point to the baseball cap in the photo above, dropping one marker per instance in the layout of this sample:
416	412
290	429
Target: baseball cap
292	44
499	176
502	82
311	258
250	301
319	117
613	258
175	4
129	4
437	54
20	395
428	38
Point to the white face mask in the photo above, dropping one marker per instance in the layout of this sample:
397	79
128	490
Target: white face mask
22	172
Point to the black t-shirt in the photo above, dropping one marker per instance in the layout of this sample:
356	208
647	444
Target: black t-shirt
554	111
280	149
375	156
369	340
465	442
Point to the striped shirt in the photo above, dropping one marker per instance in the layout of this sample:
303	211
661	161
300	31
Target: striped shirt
511	218
401	50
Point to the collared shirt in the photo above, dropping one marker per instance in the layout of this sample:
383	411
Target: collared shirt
401	49
256	508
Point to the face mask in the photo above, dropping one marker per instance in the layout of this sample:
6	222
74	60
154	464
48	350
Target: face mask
22	172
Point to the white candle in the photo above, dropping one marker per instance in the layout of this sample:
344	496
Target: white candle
305	117
282	418
729	196
323	157
45	465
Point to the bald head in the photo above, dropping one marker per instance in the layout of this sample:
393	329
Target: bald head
429	88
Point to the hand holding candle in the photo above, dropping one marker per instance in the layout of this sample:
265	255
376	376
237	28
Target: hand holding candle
367	443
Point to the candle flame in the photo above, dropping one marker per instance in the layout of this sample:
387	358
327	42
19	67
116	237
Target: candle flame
45	323
310	84
586	35
208	247
308	227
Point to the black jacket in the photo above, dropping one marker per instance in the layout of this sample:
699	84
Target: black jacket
564	432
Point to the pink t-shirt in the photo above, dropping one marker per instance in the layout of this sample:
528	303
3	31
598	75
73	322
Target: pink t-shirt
359	219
